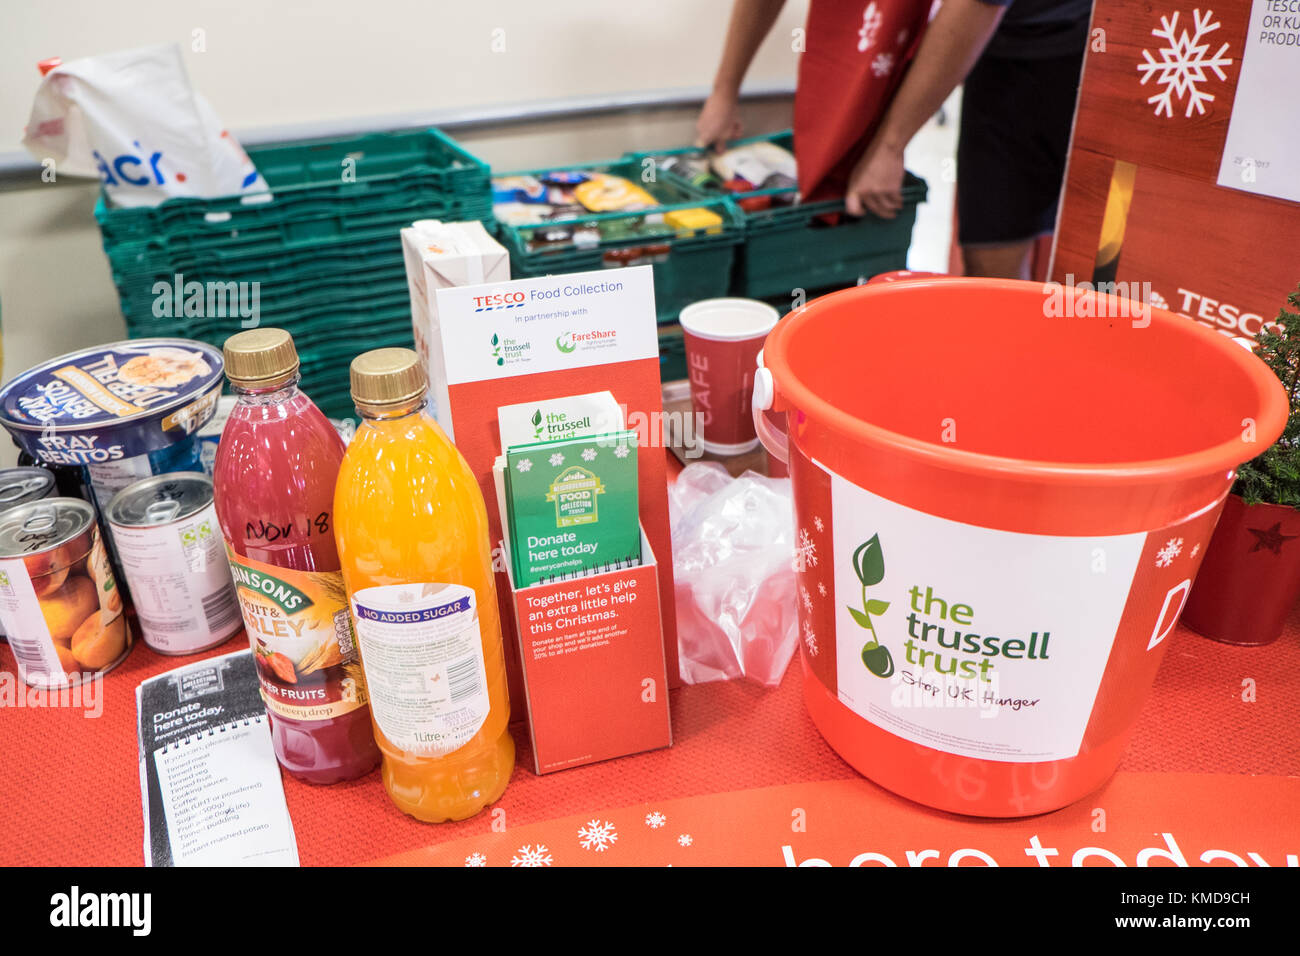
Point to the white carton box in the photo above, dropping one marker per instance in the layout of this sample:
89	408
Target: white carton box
442	255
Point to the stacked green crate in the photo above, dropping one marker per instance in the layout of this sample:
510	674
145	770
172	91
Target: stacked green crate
319	255
814	246
689	264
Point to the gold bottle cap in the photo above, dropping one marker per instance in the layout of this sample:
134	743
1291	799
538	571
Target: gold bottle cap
383	378
260	358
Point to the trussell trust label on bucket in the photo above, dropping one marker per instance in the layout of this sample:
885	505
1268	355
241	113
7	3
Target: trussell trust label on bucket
981	642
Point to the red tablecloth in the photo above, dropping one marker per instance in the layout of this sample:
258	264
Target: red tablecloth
70	789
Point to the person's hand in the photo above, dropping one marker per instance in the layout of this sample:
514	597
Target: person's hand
719	121
876	183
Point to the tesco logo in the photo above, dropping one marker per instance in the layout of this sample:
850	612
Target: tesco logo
1222	316
498	300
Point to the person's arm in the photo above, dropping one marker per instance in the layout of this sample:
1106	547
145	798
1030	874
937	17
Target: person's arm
952	43
719	119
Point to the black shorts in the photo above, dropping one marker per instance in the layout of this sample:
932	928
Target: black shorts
1016	117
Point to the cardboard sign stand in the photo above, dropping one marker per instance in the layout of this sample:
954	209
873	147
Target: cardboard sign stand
592	659
531	340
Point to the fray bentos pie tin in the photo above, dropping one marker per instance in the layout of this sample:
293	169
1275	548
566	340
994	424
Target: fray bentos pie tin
116	413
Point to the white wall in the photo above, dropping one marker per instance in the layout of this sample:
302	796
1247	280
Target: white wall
271	62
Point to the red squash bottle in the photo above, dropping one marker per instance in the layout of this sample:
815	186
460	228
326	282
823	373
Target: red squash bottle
277	463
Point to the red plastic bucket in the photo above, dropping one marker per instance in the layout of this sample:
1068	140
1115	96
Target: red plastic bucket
1000	511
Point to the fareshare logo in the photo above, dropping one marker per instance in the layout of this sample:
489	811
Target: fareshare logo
570	342
869	566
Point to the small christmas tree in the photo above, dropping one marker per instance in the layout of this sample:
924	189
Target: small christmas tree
1274	476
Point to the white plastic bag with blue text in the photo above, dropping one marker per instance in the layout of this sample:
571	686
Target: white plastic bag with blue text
132	120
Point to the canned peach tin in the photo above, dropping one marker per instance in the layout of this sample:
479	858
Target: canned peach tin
174	559
58	599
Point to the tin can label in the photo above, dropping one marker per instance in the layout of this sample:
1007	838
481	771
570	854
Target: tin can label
180	582
63	612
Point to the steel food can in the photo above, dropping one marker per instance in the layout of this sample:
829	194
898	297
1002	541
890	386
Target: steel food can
59	600
171	550
20	485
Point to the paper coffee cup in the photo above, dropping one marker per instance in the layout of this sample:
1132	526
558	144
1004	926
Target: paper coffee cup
723	338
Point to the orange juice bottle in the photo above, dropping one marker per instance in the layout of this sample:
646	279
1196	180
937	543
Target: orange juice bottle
412	536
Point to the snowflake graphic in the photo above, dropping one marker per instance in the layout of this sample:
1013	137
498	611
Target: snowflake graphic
1172	549
871	20
882	65
685	840
810	639
597	835
655	820
1157	300
807	599
525	465
805	550
821	588
622	451
589	454
556	460
1183	64
1196	549
529	855
476	859
818	523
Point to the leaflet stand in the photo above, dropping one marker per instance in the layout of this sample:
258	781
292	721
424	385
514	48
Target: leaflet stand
592	657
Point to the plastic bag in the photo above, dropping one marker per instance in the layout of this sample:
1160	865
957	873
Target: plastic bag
733	559
132	120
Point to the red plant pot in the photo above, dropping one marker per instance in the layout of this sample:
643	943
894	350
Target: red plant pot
1250	577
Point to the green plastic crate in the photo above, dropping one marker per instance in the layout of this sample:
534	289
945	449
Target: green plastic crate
257	237
326	253
283	301
326	353
349	326
306	178
672	353
238	264
686	268
812	246
813	253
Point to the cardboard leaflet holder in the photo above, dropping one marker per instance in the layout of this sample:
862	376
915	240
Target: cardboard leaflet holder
593	665
531	340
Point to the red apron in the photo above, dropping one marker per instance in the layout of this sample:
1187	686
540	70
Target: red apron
852	63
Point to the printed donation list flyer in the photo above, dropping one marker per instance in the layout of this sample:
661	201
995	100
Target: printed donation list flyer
208	776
